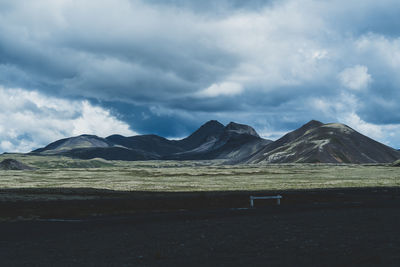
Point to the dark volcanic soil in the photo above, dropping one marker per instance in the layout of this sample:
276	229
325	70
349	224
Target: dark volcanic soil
323	228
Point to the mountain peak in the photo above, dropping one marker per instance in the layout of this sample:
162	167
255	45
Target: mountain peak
212	123
210	127
313	124
234	124
241	129
87	135
208	130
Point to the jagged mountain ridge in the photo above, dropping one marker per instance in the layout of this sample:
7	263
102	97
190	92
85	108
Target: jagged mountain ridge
211	141
316	142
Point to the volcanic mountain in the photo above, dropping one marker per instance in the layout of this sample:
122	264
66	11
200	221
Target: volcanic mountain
316	142
212	140
234	141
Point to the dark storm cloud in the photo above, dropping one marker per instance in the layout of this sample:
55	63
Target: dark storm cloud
167	66
147	121
144	58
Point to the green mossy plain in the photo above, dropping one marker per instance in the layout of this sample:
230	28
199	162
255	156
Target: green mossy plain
178	176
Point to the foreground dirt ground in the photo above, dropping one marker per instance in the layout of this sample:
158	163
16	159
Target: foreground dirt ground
322	228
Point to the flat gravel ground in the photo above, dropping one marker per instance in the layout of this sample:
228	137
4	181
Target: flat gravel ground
303	235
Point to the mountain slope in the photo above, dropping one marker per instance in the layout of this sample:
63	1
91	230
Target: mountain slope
325	143
151	143
206	134
212	140
396	163
92	146
110	153
77	142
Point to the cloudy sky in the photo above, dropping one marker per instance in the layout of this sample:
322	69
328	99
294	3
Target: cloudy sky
69	67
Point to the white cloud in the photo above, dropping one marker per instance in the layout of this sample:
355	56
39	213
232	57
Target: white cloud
275	52
96	120
380	48
368	129
355	78
386	133
6	145
29	120
221	89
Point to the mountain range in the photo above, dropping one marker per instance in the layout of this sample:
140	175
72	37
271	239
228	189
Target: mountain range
212	140
314	142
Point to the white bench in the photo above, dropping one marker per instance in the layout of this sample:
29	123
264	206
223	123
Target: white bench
277	197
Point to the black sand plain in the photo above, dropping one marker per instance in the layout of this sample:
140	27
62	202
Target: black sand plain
335	227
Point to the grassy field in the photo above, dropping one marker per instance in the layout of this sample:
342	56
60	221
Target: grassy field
178	176
184	218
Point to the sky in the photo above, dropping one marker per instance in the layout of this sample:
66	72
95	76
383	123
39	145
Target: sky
71	67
